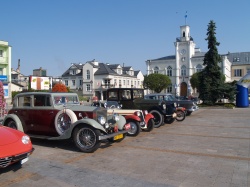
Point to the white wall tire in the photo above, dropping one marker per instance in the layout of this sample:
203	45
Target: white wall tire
63	120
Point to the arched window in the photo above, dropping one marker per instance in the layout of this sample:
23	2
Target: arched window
183	70
88	74
169	71
156	70
199	68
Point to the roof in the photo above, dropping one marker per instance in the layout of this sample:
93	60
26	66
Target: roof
78	66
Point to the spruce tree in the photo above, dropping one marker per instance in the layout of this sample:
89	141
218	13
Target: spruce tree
211	78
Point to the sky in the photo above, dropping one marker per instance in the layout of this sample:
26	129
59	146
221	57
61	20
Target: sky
53	34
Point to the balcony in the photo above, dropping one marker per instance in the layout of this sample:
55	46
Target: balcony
107	85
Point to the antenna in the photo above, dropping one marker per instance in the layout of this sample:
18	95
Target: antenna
186	18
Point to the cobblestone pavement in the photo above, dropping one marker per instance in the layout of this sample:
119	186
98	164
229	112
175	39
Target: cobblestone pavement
210	148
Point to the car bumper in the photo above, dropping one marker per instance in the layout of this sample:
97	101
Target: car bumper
194	108
106	136
6	161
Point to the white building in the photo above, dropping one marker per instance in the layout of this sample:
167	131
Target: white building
94	78
180	67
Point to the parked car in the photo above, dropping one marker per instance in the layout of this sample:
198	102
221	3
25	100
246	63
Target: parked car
133	98
15	147
189	105
56	116
137	119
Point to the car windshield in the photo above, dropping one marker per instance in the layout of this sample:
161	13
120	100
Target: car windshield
70	99
114	104
171	98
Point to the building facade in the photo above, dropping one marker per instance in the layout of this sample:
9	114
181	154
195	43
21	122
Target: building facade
5	69
94	78
188	60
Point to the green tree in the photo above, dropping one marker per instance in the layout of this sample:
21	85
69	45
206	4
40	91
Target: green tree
211	80
156	82
195	81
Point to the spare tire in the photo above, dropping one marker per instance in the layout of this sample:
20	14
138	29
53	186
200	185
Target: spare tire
63	120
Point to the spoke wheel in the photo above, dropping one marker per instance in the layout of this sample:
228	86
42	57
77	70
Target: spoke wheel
86	138
180	115
135	128
150	125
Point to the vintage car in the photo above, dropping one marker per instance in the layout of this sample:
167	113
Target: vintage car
133	98
15	147
189	105
56	116
137	119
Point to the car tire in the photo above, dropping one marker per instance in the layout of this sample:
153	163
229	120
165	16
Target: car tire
158	118
86	138
135	128
12	124
150	125
169	120
63	120
188	113
180	115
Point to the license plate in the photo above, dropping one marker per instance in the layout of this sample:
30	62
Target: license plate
24	160
118	136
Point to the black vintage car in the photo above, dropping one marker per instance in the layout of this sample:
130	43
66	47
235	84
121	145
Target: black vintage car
190	105
133	98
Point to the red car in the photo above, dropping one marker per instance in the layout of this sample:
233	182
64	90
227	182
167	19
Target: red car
15	147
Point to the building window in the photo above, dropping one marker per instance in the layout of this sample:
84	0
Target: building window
198	68
247	59
1	53
124	82
248	70
156	70
73	72
169	71
66	82
73	82
1	71
80	82
127	82
115	83
238	72
236	59
169	88
87	74
88	89
120	83
183	71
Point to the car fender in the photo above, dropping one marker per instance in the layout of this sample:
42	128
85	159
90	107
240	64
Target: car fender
84	121
156	108
120	123
132	117
148	117
16	119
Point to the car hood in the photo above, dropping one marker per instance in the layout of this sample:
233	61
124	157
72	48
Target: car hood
8	136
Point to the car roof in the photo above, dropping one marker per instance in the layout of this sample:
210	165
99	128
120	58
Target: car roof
152	94
46	93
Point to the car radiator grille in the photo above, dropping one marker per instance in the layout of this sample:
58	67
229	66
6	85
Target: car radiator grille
5	161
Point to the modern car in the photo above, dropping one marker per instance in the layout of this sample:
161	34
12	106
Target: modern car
15	147
189	105
56	116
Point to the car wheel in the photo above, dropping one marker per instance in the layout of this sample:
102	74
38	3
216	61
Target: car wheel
188	113
63	120
12	124
86	138
180	115
158	118
135	128
169	120
150	125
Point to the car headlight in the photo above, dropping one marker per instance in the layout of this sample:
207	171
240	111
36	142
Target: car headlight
116	117
145	112
164	106
101	120
137	113
175	105
26	139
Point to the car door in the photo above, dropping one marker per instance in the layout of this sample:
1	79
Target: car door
44	115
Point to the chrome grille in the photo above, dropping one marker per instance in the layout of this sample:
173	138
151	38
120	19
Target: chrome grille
5	161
